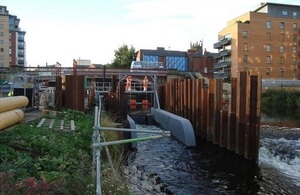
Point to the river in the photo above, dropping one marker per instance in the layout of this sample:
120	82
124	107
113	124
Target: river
209	169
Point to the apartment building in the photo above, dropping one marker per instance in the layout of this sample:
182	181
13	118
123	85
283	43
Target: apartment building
12	40
265	41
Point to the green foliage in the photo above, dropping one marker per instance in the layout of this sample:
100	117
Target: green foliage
123	57
43	161
279	102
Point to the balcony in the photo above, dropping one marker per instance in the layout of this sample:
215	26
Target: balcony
217	45
21	62
21	39
217	56
21	54
20	46
225	53
222	54
221	65
221	75
225	41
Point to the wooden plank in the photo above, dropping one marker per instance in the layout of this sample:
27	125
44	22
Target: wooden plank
224	126
185	98
231	133
211	109
204	113
218	106
176	95
72	125
198	107
180	98
51	123
189	100
41	122
251	135
61	125
58	93
241	113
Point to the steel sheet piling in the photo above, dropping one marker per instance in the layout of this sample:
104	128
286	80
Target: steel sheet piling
234	125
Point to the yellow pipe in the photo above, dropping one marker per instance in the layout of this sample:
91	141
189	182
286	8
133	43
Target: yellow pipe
10	118
10	103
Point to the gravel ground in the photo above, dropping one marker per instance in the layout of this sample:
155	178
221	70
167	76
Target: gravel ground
276	132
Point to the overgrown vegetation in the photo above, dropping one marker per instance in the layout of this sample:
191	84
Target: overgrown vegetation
281	102
43	161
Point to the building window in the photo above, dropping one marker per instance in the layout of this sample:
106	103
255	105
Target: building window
281	25
245	34
269	36
245	46
295	38
284	13
294	26
268	59
1	26
294	60
1	41
294	15
1	49
1	34
281	48
245	58
268	48
268	72
1	57
268	24
294	49
281	60
282	36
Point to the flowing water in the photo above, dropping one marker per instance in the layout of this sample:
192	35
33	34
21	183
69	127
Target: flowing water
209	169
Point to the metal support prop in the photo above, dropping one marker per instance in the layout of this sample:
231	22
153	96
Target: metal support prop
97	153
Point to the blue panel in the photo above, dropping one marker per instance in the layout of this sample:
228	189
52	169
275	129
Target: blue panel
150	58
178	63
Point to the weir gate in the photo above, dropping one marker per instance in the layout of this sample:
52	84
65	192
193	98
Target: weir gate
229	118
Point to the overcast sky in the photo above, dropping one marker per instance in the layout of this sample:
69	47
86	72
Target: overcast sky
63	30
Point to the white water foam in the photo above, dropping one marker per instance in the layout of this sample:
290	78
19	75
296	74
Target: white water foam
282	154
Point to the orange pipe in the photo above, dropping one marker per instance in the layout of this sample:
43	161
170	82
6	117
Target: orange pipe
10	118
11	103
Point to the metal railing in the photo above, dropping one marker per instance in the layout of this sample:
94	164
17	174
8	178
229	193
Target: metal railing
99	141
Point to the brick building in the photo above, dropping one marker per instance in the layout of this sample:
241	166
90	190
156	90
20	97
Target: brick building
265	41
193	60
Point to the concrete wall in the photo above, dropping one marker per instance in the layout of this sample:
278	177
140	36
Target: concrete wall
179	127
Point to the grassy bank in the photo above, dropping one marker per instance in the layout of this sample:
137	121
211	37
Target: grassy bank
40	160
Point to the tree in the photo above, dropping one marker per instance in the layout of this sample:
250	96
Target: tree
124	56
